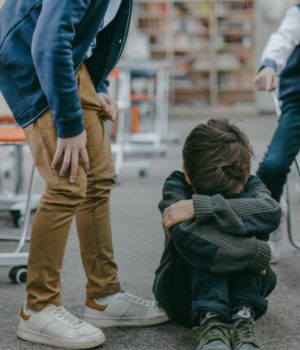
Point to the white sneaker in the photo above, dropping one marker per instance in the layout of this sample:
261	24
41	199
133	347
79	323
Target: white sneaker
126	310
57	327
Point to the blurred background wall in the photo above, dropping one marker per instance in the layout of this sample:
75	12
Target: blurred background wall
213	47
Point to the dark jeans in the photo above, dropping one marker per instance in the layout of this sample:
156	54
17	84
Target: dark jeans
222	293
185	291
283	149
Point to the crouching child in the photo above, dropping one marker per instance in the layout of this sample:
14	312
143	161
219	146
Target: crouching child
215	270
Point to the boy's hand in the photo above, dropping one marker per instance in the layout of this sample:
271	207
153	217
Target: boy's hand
71	149
266	80
178	212
109	106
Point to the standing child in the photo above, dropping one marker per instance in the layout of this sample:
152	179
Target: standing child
214	273
55	56
281	56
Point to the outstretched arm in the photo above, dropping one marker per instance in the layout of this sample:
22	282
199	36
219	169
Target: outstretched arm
283	42
278	50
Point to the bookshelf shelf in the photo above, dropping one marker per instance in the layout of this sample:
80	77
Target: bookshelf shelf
211	47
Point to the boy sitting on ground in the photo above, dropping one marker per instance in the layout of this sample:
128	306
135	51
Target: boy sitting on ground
214	272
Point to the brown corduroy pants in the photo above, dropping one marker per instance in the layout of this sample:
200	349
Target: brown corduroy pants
87	200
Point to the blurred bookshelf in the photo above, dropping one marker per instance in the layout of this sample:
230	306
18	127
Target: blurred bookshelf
211	47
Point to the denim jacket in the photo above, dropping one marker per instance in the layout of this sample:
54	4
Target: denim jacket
42	45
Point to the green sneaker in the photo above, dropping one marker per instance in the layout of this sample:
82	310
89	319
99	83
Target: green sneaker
214	336
244	335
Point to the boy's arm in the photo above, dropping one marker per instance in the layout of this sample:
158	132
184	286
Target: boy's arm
212	250
254	213
175	189
282	42
217	251
53	59
278	50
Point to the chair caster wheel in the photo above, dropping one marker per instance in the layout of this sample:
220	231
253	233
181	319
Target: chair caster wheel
17	217
18	274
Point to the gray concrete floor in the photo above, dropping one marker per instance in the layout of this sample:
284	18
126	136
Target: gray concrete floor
138	241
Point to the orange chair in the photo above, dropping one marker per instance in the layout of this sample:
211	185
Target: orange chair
11	135
7	119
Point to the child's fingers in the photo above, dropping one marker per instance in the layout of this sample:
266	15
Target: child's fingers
269	82
274	83
66	163
105	106
261	83
85	159
74	166
57	156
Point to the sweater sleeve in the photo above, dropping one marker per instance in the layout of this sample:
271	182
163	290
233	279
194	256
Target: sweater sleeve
208	247
53	59
213	250
283	42
254	212
174	190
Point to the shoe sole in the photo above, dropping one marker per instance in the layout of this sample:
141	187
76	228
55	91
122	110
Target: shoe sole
125	322
39	338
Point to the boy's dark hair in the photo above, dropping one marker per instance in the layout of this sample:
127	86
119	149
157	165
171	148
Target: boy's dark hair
217	157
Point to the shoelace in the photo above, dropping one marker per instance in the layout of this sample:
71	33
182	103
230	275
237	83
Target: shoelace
66	316
137	300
215	330
245	331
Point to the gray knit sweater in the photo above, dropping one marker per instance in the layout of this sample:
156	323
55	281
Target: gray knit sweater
227	234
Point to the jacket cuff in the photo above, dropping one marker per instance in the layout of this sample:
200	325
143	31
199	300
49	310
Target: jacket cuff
103	87
262	258
269	63
203	207
70	128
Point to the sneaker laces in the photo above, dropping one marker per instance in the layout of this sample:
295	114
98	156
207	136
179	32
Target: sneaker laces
138	300
245	332
64	315
214	331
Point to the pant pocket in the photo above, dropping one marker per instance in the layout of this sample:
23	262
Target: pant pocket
41	138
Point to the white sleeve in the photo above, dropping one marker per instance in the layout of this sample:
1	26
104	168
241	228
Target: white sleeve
283	42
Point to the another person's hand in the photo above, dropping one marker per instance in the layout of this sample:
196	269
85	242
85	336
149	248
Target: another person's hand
109	106
266	80
71	149
178	212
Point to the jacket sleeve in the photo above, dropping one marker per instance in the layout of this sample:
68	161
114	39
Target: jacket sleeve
283	42
253	213
103	87
216	251
52	56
